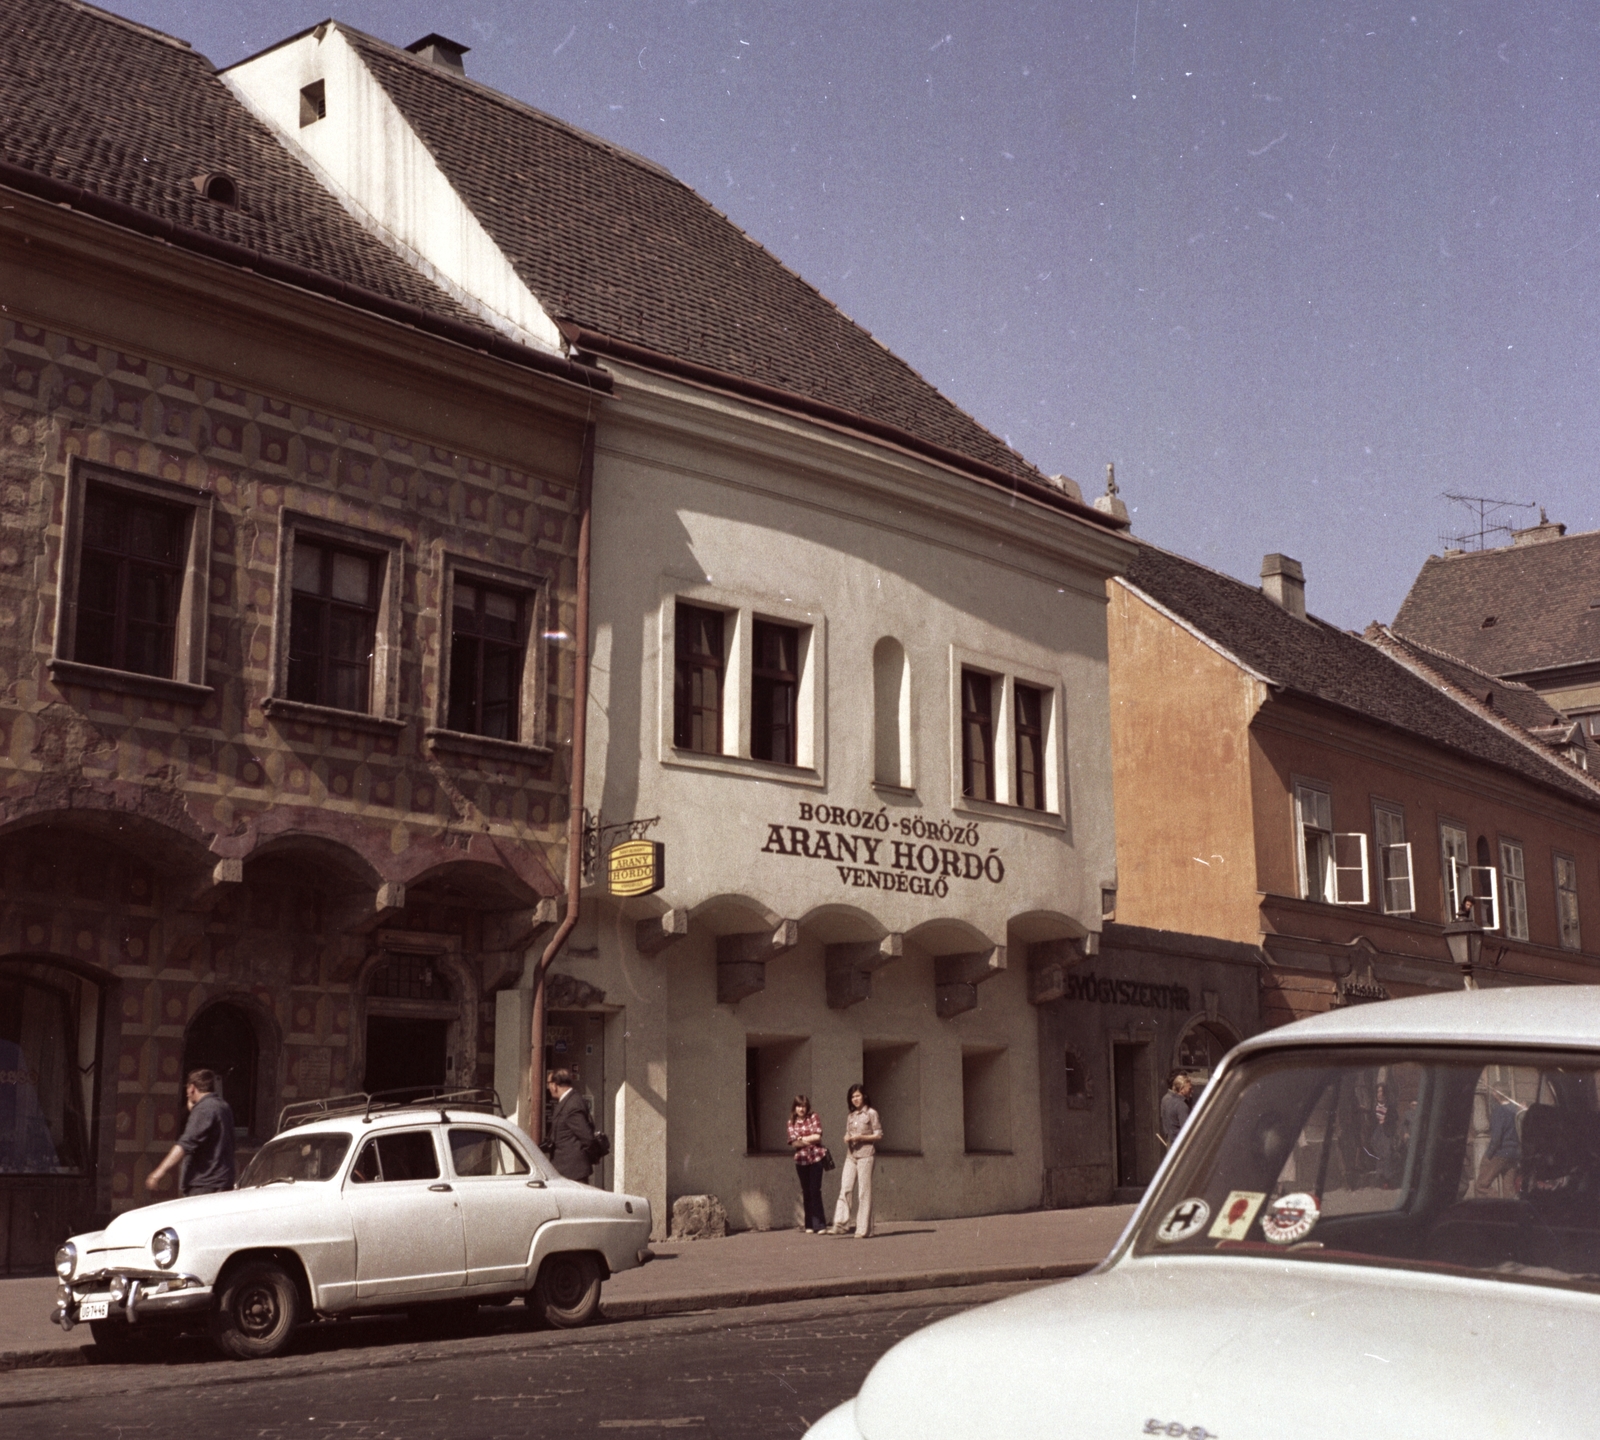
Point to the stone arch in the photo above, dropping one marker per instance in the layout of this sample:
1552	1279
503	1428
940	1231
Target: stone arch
458	1014
251	1083
1201	1045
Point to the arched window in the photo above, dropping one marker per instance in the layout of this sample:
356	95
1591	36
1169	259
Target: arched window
410	977
223	1038
891	719
1203	1045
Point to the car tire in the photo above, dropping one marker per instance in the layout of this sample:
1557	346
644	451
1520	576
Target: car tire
567	1294
257	1312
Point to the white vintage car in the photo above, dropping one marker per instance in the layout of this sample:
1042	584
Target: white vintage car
434	1206
1383	1221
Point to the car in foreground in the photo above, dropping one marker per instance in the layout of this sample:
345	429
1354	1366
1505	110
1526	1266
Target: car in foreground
1383	1221
433	1206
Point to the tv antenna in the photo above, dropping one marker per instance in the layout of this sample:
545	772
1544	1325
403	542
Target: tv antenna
1485	511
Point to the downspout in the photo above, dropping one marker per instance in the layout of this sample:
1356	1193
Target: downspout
580	717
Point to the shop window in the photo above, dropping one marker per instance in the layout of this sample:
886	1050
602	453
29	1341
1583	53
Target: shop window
701	662
892	1077
131	605
222	1038
48	1032
977	735
891	714
776	1069
1567	902
774	692
985	1102
1514	873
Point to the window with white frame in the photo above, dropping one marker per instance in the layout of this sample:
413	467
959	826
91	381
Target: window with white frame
133	589
1513	872
1333	867
492	670
1394	859
1567	902
1456	866
742	684
1484	883
336	641
1008	737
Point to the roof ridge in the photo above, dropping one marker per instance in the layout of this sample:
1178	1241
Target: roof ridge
1513	548
1474	706
1413	643
147	31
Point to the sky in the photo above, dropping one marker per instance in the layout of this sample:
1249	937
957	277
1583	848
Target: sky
1297	269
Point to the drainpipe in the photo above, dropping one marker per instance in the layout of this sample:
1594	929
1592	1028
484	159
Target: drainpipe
580	715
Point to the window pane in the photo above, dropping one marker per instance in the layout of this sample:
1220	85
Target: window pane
307	567
466	605
482	1152
499	606
352	578
350	633
130	579
697	689
41	1121
977	735
408	1156
347	686
464	655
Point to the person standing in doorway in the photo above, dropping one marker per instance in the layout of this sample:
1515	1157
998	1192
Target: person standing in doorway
862	1133
205	1149
571	1129
805	1139
1175	1106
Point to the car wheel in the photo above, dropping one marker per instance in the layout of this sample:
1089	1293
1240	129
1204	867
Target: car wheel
568	1292
257	1312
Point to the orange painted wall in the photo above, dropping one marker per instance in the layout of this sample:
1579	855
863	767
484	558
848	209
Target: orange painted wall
1180	717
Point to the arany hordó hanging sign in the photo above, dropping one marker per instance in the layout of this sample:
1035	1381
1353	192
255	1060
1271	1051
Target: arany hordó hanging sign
636	867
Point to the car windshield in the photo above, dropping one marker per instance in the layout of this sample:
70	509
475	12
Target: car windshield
297	1158
1451	1160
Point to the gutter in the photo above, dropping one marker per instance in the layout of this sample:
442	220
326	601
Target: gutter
242	257
981	471
580	727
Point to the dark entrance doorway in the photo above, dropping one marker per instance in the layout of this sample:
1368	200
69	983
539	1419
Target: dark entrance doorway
1124	1078
403	1052
222	1039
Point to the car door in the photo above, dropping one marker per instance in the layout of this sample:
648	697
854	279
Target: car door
504	1200
406	1218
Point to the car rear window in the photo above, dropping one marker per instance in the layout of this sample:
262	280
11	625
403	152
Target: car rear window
296	1158
410	1155
1481	1161
483	1152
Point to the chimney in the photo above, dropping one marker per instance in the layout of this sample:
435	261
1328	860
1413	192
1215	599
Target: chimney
1284	583
1546	529
440	51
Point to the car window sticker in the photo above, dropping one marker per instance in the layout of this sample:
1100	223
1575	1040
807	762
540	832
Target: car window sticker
1290	1218
1186	1218
1238	1210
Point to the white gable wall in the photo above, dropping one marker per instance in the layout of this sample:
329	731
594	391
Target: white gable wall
368	155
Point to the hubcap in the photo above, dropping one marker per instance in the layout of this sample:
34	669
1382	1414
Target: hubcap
257	1311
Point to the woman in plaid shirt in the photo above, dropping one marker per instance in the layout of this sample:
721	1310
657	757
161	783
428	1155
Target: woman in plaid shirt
805	1139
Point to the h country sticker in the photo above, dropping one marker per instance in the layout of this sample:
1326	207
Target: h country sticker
1290	1218
1238	1210
1186	1218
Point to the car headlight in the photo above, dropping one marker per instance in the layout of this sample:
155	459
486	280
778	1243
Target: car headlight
164	1247
118	1288
66	1260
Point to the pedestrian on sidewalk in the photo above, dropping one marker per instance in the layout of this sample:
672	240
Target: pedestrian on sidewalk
205	1149
1175	1105
862	1132
571	1129
805	1139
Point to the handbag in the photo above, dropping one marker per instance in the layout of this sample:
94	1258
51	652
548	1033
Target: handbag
827	1158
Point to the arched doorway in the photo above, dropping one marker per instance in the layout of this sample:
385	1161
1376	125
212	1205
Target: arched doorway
1202	1045
411	1007
222	1037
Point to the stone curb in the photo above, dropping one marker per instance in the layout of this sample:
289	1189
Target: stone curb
711	1300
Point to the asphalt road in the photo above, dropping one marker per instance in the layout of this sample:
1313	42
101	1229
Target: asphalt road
764	1371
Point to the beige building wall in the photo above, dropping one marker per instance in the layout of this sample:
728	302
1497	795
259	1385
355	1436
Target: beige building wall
1181	709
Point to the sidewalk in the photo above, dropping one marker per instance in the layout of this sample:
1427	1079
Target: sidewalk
755	1267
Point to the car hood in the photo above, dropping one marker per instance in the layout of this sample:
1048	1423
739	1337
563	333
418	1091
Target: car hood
133	1228
1247	1349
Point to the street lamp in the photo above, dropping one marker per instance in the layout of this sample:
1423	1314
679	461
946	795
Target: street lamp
1465	939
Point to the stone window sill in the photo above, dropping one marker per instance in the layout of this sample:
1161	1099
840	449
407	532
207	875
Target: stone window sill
297	710
484	747
153	687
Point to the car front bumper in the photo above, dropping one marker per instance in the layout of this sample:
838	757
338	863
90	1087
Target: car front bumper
145	1295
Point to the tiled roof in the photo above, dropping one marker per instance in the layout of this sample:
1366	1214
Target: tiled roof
1511	611
1510	698
613	244
1322	662
97	103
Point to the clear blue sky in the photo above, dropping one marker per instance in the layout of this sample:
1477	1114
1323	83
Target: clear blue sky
1297	268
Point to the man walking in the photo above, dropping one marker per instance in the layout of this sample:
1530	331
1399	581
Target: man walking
1175	1106
205	1148
571	1129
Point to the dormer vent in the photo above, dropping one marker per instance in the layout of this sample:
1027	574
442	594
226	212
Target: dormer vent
441	51
313	103
218	188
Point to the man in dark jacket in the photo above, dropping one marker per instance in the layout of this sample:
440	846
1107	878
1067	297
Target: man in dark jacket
205	1149
571	1129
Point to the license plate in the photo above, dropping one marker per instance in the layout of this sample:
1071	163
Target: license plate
94	1309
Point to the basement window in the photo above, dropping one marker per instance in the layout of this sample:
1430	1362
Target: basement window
313	103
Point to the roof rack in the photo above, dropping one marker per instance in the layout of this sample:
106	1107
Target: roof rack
366	1104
